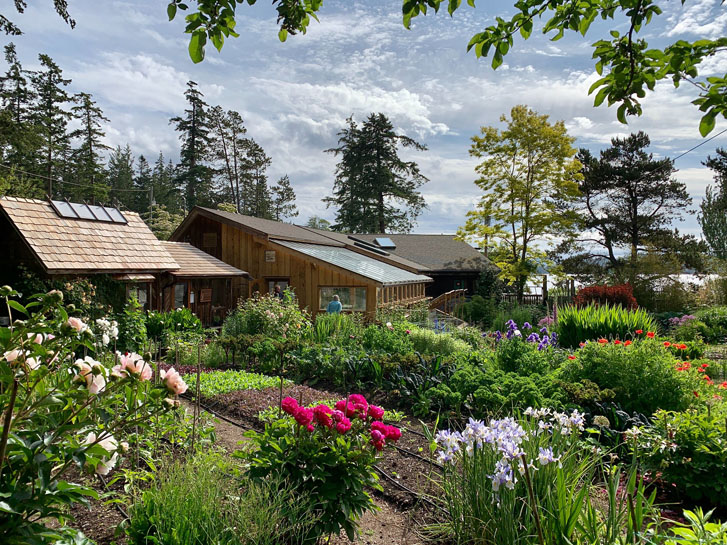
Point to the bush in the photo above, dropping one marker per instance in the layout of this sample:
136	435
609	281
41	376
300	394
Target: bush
327	456
619	295
197	502
335	328
477	310
689	330
591	322
132	327
520	314
181	320
426	341
627	370
689	449
715	319
391	339
269	316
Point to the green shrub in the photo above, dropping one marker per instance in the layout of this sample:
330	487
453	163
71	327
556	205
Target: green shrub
473	336
580	324
478	311
427	341
689	449
690	330
180	320
642	376
519	356
199	502
715	319
392	339
269	316
335	328
132	327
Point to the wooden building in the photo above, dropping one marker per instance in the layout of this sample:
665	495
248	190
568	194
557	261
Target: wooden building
316	264
452	264
62	240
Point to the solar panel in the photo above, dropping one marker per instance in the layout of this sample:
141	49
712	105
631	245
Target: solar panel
115	214
83	211
384	242
99	212
90	212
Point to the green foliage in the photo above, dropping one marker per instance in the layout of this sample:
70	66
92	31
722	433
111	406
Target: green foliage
626	369
477	310
698	530
715	319
274	317
713	216
519	356
689	449
198	501
417	313
222	382
518	314
132	327
388	338
690	330
335	327
427	341
179	321
580	324
528	177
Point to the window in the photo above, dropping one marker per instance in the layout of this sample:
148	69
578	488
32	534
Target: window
140	292
180	295
352	299
282	282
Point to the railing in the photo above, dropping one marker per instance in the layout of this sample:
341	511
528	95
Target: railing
537	299
447	302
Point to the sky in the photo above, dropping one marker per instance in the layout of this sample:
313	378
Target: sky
295	96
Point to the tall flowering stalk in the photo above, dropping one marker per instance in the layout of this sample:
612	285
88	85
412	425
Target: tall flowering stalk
495	469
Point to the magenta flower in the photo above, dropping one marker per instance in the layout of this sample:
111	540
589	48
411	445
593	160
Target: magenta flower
322	415
375	412
393	433
343	426
289	405
303	416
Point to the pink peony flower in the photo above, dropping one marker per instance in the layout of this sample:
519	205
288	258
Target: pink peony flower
110	445
92	373
12	355
303	416
289	405
77	324
173	381
393	433
310	427
378	439
379	426
349	409
337	415
375	412
343	426
132	364
37	339
322	415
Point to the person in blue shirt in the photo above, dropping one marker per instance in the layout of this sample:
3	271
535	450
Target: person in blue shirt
335	306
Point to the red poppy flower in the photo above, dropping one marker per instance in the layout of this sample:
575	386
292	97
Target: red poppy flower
616	342
696	394
639	331
706	377
667	344
603	341
682	346
700	370
571	357
650	334
581	344
723	385
627	343
705	365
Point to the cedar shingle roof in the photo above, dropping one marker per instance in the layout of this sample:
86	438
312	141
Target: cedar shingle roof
74	246
437	252
195	263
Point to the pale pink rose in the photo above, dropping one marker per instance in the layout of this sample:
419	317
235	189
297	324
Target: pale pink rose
32	363
37	339
174	381
93	372
77	324
12	355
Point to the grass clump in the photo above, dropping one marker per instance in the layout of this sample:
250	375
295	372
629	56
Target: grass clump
592	322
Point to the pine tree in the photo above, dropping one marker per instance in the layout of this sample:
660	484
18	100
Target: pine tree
713	216
229	147
375	191
283	201
255	181
143	183
87	158
193	174
50	117
166	193
120	175
19	139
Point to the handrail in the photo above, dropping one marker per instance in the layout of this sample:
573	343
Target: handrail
447	301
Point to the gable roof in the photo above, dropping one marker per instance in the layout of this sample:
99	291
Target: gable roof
194	263
354	262
437	252
76	246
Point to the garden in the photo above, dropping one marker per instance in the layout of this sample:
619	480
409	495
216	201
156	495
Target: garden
596	422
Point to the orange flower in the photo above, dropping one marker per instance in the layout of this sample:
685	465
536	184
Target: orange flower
650	334
667	344
603	341
682	346
571	357
626	343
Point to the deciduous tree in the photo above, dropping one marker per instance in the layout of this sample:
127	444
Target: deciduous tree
529	177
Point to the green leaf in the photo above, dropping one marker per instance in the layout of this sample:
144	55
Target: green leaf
17	306
706	124
171	10
196	46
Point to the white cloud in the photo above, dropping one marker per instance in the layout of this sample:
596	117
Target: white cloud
704	18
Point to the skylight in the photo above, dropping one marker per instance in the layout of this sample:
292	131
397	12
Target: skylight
384	242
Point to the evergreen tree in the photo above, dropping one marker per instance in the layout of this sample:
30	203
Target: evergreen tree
143	183
375	190
283	202
255	182
120	176
87	158
229	148
713	216
50	117
166	193
193	174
